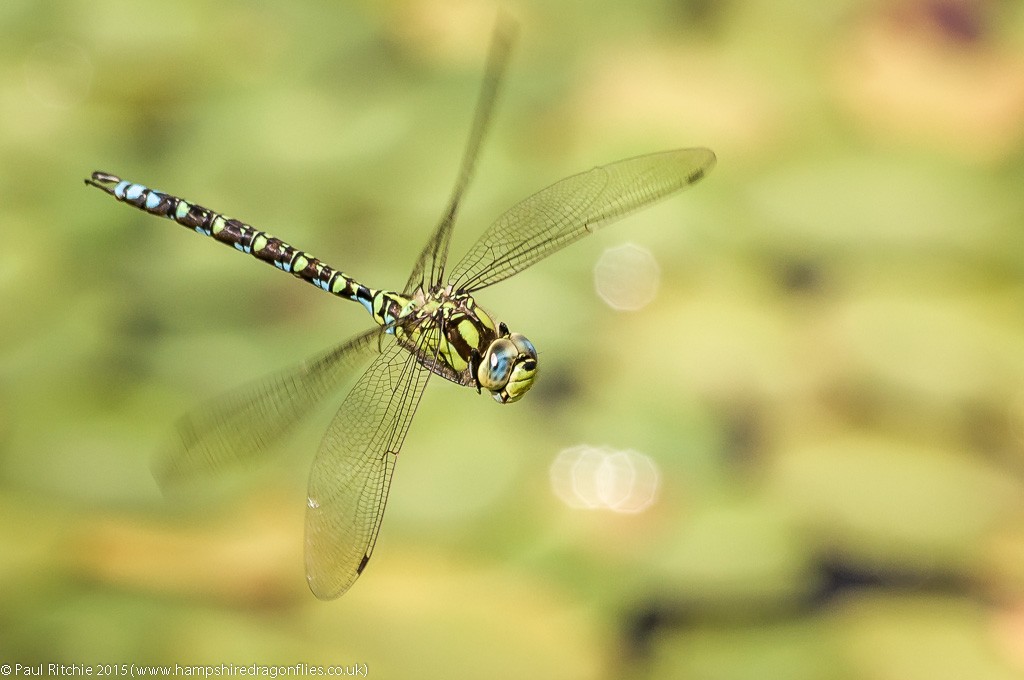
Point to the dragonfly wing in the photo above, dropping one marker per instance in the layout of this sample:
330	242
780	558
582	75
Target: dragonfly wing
573	207
351	474
429	267
239	428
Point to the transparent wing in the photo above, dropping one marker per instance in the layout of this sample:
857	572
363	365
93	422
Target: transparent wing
571	208
351	474
240	427
429	268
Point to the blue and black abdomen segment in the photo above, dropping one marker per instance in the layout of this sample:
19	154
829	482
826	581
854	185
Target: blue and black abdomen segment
242	236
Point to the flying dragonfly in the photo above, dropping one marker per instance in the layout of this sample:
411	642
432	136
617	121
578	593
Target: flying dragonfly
433	326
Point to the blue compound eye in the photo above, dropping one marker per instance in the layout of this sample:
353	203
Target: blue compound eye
524	370
524	346
508	368
496	366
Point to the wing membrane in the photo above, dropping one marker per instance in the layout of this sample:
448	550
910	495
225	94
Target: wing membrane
573	207
351	474
240	427
429	268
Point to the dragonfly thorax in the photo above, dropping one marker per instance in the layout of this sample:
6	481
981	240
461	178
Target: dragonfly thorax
457	339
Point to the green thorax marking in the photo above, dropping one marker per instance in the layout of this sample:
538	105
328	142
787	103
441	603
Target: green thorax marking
418	321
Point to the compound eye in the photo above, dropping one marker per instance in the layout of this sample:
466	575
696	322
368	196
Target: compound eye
524	371
524	346
496	366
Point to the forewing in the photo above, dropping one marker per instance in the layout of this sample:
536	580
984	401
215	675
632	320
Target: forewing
429	266
240	427
351	474
573	207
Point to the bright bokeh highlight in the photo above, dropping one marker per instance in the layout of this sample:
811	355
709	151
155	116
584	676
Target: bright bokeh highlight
601	478
627	277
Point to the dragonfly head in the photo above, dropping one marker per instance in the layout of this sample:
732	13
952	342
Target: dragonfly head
508	367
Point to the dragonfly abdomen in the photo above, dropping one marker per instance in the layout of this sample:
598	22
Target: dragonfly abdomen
237	234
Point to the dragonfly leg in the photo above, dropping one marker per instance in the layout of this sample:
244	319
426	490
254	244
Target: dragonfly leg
474	364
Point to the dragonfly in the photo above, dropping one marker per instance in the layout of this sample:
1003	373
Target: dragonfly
433	326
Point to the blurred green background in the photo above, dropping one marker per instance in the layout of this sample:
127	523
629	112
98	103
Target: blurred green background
829	382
